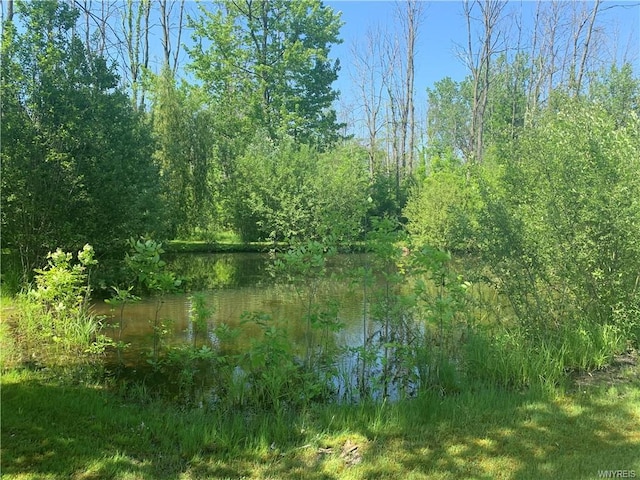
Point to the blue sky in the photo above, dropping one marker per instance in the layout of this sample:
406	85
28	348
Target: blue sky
435	57
443	27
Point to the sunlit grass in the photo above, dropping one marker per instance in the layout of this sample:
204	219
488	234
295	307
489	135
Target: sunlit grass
52	430
228	245
9	350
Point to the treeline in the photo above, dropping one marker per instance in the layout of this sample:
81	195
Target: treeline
237	130
252	144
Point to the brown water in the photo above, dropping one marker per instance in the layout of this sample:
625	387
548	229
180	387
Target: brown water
232	285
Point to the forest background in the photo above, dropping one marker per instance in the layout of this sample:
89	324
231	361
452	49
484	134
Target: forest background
229	118
499	208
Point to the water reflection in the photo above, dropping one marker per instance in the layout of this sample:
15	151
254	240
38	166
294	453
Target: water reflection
233	284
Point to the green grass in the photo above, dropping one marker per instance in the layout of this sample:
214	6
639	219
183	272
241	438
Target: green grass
202	246
51	430
229	242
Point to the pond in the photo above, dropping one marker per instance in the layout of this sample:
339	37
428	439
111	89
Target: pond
375	340
232	285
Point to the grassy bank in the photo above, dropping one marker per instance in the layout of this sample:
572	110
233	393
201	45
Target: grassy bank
235	246
52	429
496	400
201	246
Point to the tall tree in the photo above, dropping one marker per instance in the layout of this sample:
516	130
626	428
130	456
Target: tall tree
368	75
169	24
410	18
478	60
76	158
135	40
273	56
448	121
184	153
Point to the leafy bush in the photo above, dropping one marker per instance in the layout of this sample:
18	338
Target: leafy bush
56	317
562	235
289	191
442	211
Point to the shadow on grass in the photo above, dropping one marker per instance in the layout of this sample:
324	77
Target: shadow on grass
51	431
494	435
74	432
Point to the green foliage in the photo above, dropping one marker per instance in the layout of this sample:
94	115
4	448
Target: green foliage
304	265
268	63
618	92
200	314
386	358
507	105
63	288
153	277
510	357
562	235
185	154
443	210
386	198
448	118
269	364
76	158
148	268
9	347
186	371
290	191
55	317
442	297
340	186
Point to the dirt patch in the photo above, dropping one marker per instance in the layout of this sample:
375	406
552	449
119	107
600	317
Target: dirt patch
624	369
350	451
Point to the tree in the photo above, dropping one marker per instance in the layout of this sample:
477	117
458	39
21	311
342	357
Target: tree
185	154
171	51
287	191
410	19
272	56
135	33
368	75
506	108
562	232
442	211
618	91
76	158
448	120
478	61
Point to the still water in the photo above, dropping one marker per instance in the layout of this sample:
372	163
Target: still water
236	283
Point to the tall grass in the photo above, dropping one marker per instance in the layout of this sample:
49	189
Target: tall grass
508	356
427	330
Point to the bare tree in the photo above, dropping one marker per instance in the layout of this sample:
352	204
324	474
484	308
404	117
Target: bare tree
384	75
171	52
368	75
537	68
393	80
565	46
582	46
478	61
95	25
410	19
